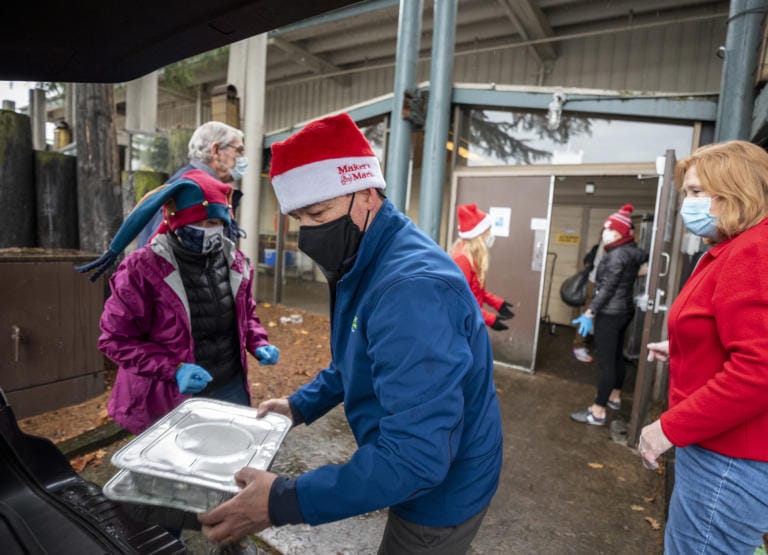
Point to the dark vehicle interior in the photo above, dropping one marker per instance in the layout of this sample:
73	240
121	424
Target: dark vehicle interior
45	507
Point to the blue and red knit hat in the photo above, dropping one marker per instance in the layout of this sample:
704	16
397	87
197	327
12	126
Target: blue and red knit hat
193	197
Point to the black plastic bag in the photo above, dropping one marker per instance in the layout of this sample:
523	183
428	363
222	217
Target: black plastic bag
573	291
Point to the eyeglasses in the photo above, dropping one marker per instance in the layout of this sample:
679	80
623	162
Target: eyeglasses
239	149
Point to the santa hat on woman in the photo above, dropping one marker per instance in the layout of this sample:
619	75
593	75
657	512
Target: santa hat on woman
329	158
621	221
473	222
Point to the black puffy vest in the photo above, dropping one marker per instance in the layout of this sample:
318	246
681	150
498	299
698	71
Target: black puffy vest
212	309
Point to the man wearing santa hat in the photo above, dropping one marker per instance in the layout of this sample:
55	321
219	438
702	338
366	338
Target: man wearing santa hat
411	362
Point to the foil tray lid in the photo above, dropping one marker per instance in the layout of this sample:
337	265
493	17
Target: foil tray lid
203	442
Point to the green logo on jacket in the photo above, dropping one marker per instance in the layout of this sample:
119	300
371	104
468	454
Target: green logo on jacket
354	324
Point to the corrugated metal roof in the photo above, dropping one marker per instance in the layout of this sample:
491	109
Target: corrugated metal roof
652	46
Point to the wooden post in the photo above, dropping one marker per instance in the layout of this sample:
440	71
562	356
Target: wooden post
56	192
17	185
98	167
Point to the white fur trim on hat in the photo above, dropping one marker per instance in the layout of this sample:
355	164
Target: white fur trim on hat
479	229
326	179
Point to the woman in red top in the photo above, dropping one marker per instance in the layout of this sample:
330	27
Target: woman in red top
718	359
470	252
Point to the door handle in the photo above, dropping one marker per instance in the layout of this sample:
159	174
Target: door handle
16	339
664	272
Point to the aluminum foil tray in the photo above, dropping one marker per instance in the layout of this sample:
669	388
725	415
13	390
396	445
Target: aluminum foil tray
188	458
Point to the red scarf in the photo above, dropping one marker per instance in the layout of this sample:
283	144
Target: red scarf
619	242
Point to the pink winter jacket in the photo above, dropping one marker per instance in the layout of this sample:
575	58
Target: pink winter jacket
146	331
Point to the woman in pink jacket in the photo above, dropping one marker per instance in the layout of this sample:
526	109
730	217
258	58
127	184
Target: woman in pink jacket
718	359
471	254
181	319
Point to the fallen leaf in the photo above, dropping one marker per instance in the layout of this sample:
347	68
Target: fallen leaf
649	499
303	332
266	305
637	507
93	459
653	522
595	465
271	324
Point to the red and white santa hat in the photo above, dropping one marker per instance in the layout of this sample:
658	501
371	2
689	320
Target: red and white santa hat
329	158
473	222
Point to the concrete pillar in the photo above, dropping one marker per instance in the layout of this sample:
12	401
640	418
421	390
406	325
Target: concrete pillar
237	67
737	86
247	71
400	129
141	104
438	118
37	117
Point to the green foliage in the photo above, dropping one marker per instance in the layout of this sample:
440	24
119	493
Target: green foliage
499	138
53	89
180	76
146	181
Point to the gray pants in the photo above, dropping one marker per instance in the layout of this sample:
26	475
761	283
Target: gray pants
402	537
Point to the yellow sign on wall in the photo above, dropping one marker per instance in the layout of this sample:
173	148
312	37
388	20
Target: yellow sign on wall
567	239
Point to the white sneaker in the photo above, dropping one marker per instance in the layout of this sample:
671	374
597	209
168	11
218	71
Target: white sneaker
582	355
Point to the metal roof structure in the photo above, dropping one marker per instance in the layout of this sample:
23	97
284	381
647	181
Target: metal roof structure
363	36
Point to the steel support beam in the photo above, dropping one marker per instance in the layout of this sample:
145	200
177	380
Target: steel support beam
360	112
686	108
341	14
737	89
438	116
303	57
400	127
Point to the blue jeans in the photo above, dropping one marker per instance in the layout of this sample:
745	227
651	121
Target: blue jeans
719	504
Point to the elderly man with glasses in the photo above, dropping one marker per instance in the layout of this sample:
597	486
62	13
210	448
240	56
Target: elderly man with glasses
217	149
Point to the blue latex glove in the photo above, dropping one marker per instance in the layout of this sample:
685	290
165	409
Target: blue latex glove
267	355
192	378
585	324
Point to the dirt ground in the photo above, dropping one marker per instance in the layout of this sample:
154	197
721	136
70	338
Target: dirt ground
303	352
553	467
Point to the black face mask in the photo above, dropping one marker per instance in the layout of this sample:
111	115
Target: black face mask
332	244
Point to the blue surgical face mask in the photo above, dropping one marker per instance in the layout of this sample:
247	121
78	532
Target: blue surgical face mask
241	166
696	216
200	239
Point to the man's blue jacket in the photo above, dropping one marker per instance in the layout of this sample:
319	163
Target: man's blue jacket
412	363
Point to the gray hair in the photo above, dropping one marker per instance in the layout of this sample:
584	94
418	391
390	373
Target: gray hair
208	133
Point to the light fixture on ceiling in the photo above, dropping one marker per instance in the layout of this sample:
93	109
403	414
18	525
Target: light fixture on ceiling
555	110
589	188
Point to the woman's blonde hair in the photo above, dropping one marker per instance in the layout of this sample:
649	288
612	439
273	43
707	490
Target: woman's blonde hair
476	251
737	173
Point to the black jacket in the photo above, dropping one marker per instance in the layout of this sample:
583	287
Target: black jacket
615	279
